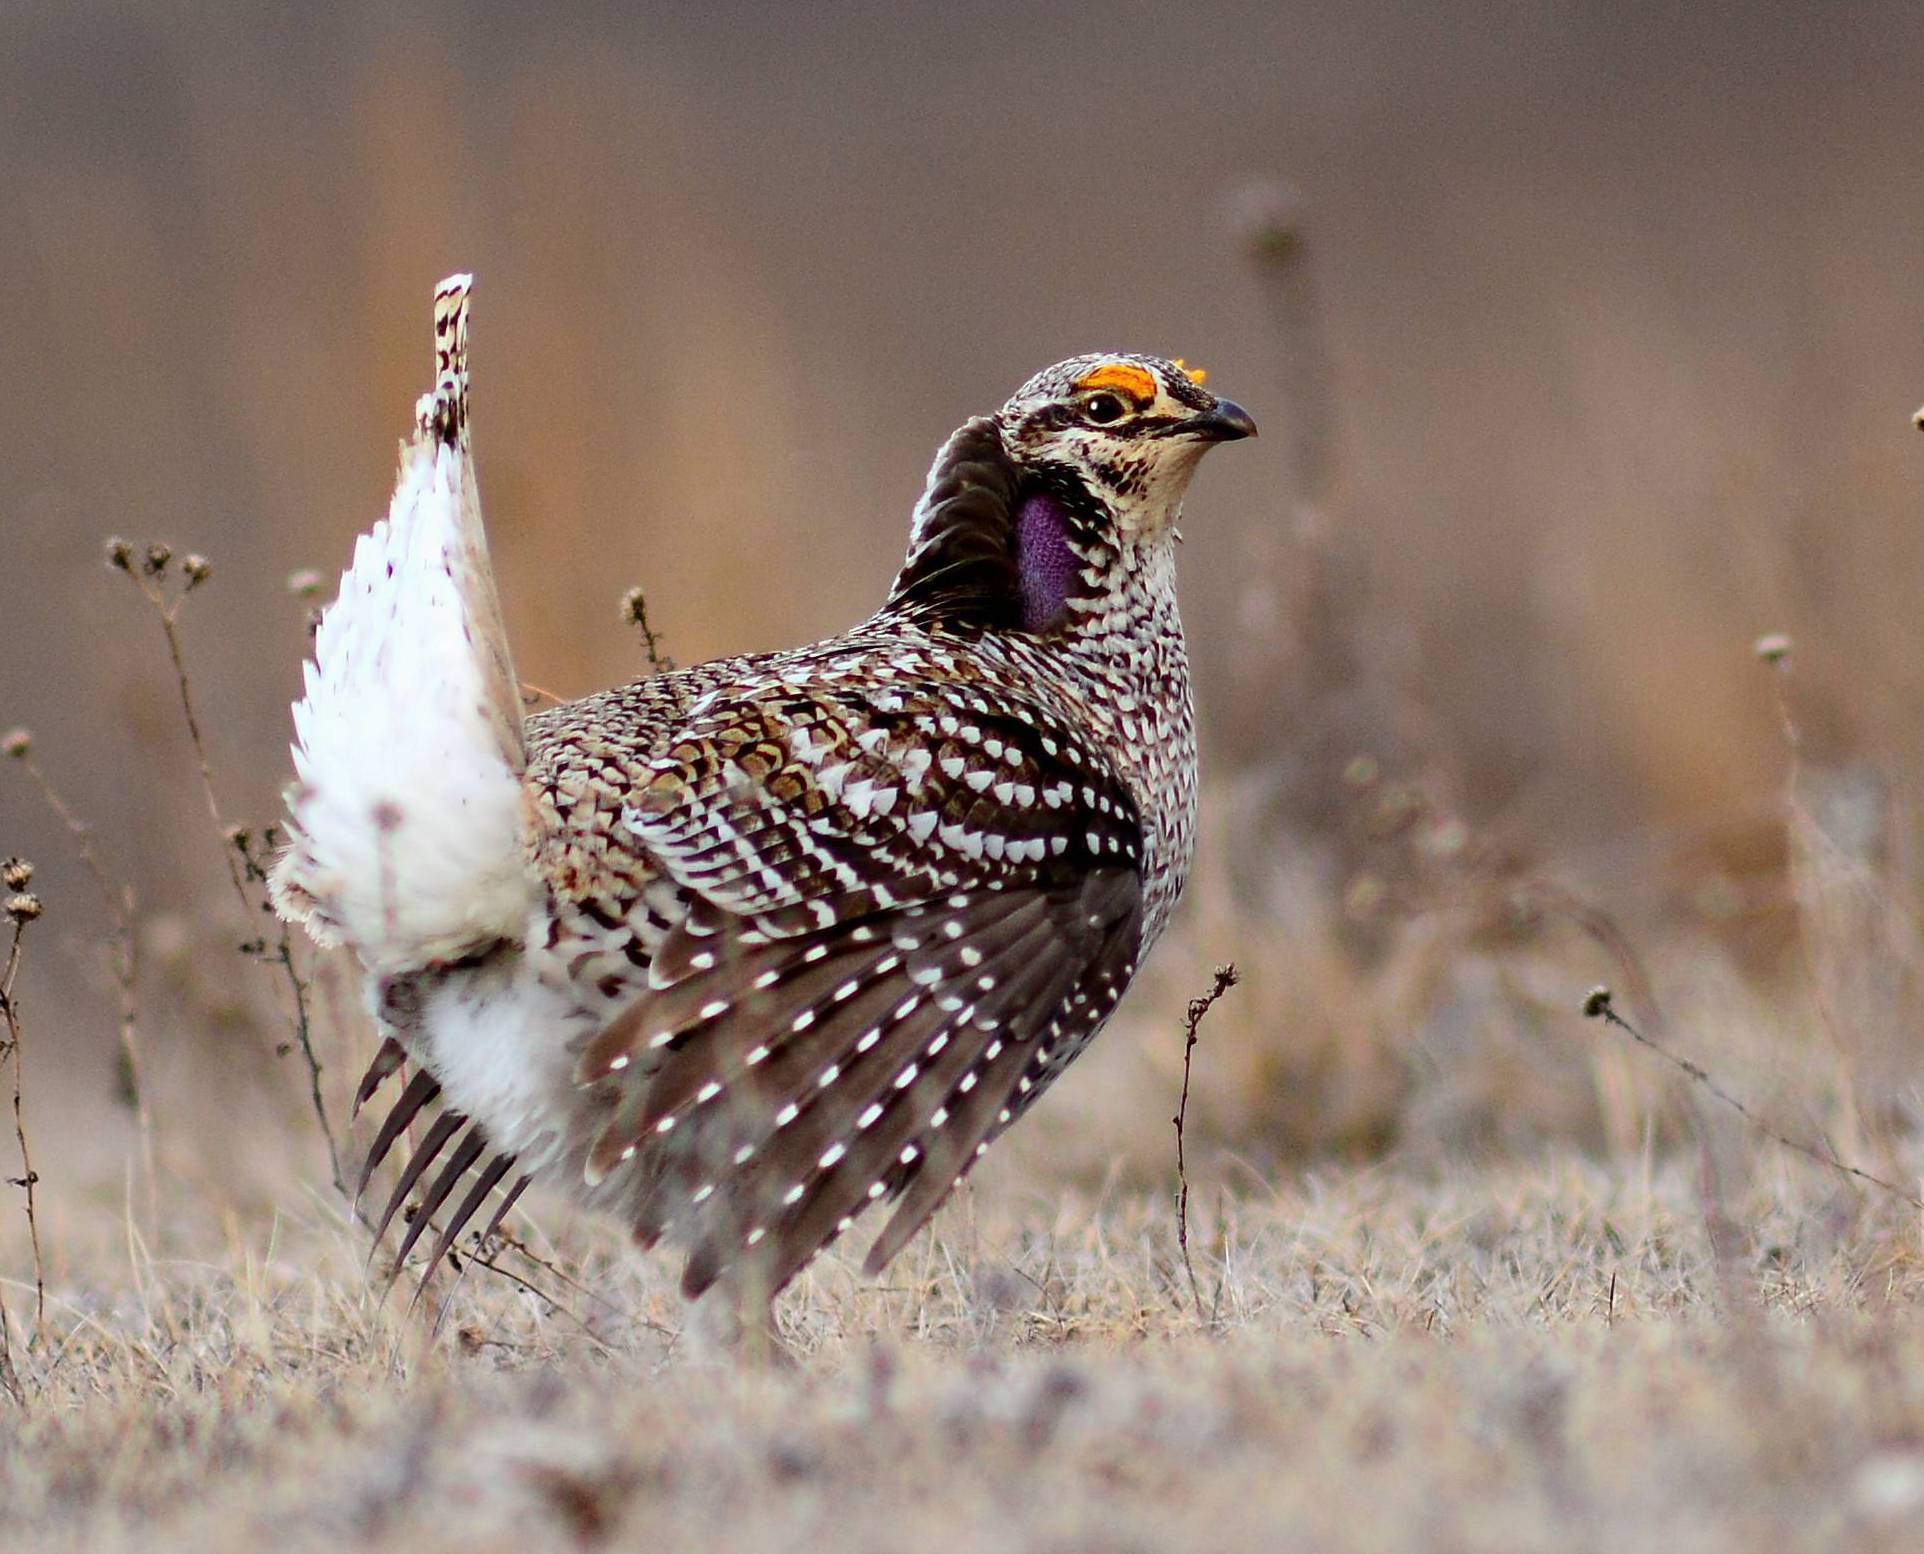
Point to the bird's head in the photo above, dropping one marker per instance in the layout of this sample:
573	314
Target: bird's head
1035	507
1130	430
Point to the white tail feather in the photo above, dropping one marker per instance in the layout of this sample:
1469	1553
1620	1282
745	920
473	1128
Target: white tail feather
407	816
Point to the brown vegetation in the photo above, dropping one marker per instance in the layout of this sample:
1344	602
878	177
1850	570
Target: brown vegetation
1583	392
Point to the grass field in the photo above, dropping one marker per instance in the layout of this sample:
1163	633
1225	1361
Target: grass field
1574	400
1468	1272
1553	1355
1583	363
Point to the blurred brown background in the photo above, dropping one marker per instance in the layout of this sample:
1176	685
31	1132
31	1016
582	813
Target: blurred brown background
1622	306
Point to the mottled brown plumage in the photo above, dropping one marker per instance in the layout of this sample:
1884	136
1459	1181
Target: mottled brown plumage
808	930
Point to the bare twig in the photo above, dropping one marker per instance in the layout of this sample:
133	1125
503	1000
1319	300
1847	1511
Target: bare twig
22	909
9	1377
1603	928
1226	978
485	1253
282	955
1273	226
149	574
149	578
118	900
549	1267
1800	831
1597	1005
634	612
484	1259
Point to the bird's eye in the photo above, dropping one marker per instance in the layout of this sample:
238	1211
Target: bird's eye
1103	408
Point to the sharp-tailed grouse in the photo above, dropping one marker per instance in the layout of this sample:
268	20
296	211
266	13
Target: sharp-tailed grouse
735	951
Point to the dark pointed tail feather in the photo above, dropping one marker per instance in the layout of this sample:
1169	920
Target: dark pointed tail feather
391	1056
438	1136
421	1089
469	1206
506	1203
465	1154
421	1092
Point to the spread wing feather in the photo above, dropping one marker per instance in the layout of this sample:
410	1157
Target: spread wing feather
774	1094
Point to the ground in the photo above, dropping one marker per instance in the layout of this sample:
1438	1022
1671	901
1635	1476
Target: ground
1549	1354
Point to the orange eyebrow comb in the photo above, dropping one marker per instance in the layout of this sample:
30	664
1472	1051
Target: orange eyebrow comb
1138	383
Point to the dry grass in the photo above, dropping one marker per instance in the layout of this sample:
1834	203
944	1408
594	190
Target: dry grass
1540	1356
1467	1273
1461	1271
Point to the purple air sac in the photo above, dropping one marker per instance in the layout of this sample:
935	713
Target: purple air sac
1049	569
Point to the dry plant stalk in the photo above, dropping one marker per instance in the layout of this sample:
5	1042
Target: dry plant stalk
9	1377
149	577
118	899
634	612
1598	1005
21	909
149	573
1226	978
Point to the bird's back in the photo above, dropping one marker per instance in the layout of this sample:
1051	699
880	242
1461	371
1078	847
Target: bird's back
848	909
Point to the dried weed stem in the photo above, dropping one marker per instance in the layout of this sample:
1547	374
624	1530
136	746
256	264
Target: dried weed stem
148	579
1226	978
1810	850
149	576
28	1179
1598	1005
9	1377
118	900
282	955
634	612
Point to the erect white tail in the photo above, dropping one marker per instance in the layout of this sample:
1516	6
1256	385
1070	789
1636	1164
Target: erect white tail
406	819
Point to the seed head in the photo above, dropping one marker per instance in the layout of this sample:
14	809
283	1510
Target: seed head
23	907
306	583
17	742
1269	217
16	874
1596	1002
1446	839
1396	807
197	570
634	607
1773	648
158	555
1363	897
120	554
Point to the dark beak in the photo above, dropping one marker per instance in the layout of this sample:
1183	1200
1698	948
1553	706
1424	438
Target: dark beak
1228	422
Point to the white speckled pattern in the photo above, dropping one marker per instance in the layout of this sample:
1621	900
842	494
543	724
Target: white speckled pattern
737	951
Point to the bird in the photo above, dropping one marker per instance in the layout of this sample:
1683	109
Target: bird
738	951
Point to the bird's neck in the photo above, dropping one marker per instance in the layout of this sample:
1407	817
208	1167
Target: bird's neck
1124	650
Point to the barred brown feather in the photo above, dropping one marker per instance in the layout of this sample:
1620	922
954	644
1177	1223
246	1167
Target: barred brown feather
812	928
